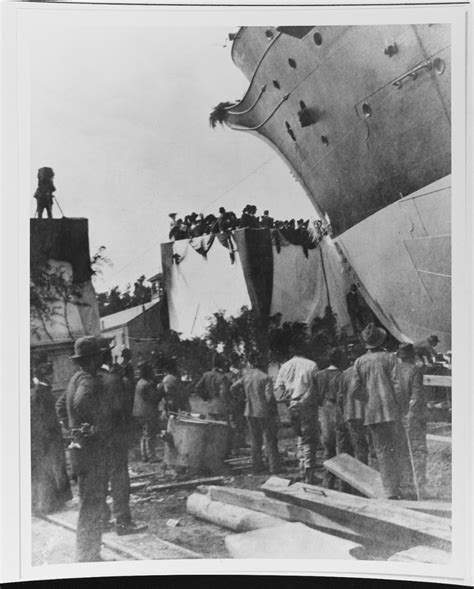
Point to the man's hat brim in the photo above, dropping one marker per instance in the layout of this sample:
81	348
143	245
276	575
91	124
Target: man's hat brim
91	353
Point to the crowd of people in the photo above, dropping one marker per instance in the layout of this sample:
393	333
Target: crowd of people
367	402
194	225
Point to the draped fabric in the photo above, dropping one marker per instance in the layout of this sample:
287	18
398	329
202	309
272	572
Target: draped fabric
198	286
271	274
304	286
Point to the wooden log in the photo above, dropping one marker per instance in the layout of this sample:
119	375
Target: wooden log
237	519
290	540
258	501
426	554
153	547
357	474
186	484
437	380
441	439
375	519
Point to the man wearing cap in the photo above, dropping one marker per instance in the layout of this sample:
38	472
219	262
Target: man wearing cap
414	411
88	418
261	413
295	384
426	349
116	399
377	382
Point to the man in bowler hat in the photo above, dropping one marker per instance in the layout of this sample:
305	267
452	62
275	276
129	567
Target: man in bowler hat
88	420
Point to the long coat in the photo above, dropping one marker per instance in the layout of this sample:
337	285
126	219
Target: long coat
50	487
377	381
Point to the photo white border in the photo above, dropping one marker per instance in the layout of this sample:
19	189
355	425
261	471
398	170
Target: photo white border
19	23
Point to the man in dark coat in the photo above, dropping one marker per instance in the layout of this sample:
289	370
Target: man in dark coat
145	410
214	387
50	488
172	389
261	413
353	410
117	446
90	424
334	435
377	382
354	309
127	373
266	221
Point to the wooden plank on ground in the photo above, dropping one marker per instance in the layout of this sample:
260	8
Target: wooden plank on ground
186	484
237	519
141	546
437	380
439	508
426	554
290	540
440	439
375	519
258	501
357	474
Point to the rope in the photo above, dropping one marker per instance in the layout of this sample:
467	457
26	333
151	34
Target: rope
59	206
257	67
244	112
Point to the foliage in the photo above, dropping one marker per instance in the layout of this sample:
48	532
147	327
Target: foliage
116	300
98	260
219	114
192	356
242	334
51	290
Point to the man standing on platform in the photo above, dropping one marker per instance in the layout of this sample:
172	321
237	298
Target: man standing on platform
261	413
295	384
377	382
89	421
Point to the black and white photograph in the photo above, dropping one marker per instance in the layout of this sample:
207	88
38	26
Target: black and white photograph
244	292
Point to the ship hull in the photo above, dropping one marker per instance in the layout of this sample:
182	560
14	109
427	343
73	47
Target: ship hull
372	152
401	258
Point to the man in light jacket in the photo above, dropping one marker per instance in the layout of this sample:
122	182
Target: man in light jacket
261	413
377	382
295	384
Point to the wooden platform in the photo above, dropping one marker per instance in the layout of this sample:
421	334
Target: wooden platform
357	474
374	519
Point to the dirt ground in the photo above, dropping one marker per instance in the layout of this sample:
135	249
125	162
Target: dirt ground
165	511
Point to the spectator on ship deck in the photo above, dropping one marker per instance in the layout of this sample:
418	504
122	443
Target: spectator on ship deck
266	221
